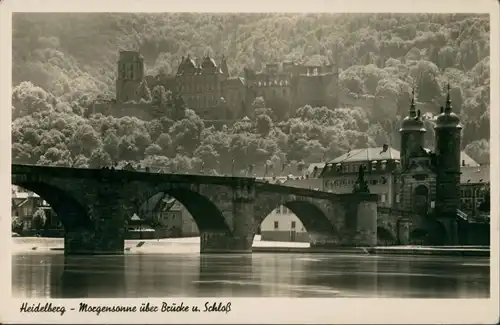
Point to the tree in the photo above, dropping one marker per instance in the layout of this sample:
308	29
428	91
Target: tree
39	219
425	73
485	204
99	158
17	225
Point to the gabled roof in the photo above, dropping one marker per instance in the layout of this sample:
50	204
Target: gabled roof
135	217
474	175
466	160
24	195
367	154
319	167
208	62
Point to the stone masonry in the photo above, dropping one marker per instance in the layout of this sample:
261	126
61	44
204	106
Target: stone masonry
95	204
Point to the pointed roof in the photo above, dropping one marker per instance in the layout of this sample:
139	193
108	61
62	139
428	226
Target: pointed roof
413	122
208	62
135	217
448	119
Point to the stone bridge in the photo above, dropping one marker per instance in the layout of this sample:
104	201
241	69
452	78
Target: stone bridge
95	204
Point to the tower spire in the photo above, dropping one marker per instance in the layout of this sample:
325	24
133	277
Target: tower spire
448	101
412	105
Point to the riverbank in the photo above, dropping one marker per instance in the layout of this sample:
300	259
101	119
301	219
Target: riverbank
192	245
389	250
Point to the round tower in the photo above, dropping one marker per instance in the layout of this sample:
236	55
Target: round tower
412	134
448	129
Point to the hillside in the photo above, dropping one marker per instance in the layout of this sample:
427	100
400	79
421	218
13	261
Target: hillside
63	61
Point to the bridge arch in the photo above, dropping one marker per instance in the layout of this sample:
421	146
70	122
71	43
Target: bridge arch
319	229
207	216
72	214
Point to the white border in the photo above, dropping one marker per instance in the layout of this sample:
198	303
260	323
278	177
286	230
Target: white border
256	310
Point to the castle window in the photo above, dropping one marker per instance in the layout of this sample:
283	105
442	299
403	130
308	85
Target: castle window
123	71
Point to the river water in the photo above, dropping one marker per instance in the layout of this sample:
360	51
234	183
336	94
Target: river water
134	275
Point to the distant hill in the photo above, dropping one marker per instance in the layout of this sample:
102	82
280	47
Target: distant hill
73	57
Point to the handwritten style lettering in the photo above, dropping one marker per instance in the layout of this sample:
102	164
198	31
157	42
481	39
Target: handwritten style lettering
42	308
106	309
214	307
174	307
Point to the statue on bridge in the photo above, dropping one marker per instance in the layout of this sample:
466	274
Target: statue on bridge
361	186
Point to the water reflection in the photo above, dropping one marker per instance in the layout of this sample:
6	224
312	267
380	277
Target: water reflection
228	275
248	275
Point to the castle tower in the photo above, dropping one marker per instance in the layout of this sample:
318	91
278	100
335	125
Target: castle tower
412	135
448	129
130	75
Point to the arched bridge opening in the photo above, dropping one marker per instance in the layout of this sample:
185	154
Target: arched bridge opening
296	221
174	213
43	210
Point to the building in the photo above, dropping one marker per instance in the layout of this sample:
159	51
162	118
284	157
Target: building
446	184
282	224
380	165
206	87
168	217
407	179
24	206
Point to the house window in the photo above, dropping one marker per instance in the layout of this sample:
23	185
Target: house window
293	224
397	198
276	225
382	198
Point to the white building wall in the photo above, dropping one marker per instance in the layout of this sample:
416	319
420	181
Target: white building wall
283	225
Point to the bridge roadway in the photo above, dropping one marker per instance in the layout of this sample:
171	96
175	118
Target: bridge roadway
95	204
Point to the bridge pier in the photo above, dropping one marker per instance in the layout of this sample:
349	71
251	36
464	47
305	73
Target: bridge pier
89	242
105	235
240	239
366	224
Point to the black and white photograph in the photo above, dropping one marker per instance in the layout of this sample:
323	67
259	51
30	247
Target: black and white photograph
201	153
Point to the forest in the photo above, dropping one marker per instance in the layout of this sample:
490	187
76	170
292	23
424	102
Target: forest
64	62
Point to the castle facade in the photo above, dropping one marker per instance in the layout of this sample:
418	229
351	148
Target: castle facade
206	87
